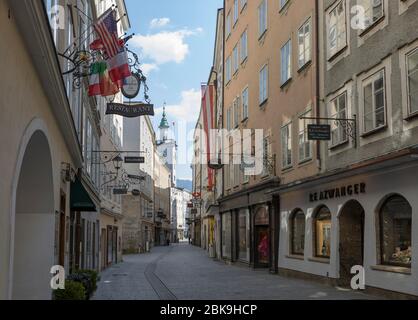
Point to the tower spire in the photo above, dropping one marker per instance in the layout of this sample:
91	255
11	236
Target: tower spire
164	122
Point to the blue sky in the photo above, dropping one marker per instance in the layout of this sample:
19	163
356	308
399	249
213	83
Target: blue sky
175	39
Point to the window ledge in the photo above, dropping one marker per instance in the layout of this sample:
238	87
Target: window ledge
393	269
264	103
262	35
339	145
305	66
305	161
285	6
371	132
337	54
412	116
295	257
372	26
286	83
320	260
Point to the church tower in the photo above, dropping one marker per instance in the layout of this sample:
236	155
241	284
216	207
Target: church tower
167	147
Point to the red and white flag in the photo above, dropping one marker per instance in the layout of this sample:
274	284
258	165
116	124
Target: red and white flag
208	125
118	67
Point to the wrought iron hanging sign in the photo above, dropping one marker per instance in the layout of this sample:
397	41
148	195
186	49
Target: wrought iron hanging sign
130	110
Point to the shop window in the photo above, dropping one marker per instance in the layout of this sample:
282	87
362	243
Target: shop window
244	235
322	226
396	232
226	235
297	221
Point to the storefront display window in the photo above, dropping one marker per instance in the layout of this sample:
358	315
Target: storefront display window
226	235
243	235
298	233
396	232
323	233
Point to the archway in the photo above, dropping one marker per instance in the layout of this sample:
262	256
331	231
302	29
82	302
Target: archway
351	248
34	233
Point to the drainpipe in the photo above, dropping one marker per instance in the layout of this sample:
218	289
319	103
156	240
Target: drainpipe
318	70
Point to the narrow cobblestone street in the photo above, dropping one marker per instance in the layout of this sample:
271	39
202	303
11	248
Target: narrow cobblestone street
184	272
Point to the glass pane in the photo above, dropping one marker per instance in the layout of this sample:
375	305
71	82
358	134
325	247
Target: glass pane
298	233
413	82
368	108
323	233
396	232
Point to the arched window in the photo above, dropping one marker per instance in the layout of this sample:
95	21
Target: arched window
297	222
395	232
322	225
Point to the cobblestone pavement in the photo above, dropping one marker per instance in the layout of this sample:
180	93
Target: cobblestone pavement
184	272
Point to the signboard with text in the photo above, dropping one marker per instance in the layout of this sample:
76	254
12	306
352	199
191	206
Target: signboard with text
135	160
319	132
130	110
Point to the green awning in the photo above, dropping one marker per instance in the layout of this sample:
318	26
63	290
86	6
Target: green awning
80	199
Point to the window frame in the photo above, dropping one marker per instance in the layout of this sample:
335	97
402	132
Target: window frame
339	49
289	141
364	83
412	52
245	110
307	60
264	83
337	115
263	4
292	232
304	132
288	63
244	49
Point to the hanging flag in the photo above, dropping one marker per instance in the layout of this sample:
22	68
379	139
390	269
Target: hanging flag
100	82
208	125
119	69
98	44
107	30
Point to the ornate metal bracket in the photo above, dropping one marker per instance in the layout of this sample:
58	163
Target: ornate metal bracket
349	126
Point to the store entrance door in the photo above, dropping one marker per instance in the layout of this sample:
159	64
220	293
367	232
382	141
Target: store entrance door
351	240
262	238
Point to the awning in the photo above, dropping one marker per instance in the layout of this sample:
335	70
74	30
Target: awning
80	199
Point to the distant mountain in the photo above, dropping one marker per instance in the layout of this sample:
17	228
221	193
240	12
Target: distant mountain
185	184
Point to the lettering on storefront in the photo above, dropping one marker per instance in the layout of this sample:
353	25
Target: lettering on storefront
341	192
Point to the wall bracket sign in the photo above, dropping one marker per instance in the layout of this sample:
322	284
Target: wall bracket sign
130	110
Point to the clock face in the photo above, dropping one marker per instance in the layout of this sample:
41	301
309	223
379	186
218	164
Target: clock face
131	87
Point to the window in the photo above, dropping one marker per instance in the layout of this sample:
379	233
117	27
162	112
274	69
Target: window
322	225
228	69
396	232
53	15
236	106
338	110
235	59
305	146
262	18
412	67
374	102
245	104
297	221
286	64
244	235
228	25
244	46
304	43
266	156
263	85
228	119
337	29
287	146
226	235
236	11
237	175
373	11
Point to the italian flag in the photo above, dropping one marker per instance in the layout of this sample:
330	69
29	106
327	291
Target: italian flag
100	82
119	68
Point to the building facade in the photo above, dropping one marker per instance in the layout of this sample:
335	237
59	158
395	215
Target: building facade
138	235
179	209
275	41
361	210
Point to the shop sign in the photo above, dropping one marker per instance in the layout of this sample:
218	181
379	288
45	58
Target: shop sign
139	160
130	110
135	177
131	86
340	192
319	132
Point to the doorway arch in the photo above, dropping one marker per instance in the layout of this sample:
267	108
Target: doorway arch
34	221
351	249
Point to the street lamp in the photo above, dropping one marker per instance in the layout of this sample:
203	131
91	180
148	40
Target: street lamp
117	162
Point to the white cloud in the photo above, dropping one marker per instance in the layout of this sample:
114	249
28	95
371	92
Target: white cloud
148	67
159	22
165	46
188	108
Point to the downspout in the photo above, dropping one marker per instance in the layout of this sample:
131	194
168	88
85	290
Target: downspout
317	80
